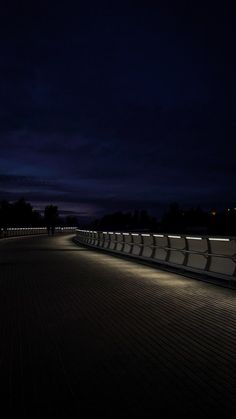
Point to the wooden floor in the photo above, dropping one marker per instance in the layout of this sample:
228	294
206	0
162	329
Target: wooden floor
86	334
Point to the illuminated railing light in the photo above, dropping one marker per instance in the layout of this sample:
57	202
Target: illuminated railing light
104	232
146	235
158	235
193	238
134	234
125	234
110	232
119	234
218	239
174	237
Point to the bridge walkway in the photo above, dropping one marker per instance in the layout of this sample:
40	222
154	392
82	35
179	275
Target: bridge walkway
84	333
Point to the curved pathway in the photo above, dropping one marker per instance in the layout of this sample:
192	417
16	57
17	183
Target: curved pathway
83	333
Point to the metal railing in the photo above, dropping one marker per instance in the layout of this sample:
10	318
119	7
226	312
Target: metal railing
26	231
212	256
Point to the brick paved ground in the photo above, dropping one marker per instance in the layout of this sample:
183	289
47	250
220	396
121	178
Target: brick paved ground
88	334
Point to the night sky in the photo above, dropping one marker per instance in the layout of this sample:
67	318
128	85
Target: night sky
107	107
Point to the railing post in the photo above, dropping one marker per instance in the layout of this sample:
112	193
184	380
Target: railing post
153	247
209	252
141	245
168	250
186	255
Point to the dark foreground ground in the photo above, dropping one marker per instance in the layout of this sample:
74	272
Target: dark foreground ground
87	334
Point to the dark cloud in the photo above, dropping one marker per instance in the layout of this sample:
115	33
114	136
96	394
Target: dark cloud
113	107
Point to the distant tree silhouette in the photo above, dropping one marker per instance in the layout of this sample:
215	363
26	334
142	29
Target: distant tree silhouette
138	220
51	217
70	221
5	214
23	212
172	220
175	219
18	214
195	220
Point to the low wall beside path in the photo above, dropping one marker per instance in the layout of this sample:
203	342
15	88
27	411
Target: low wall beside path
211	256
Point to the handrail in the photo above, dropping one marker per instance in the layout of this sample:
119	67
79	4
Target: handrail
209	255
26	231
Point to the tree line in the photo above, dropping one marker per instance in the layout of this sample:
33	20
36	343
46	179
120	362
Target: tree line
174	220
22	214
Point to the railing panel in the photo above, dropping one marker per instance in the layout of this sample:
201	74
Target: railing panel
176	257
137	243
127	243
222	265
112	245
148	243
197	261
106	240
119	244
223	246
